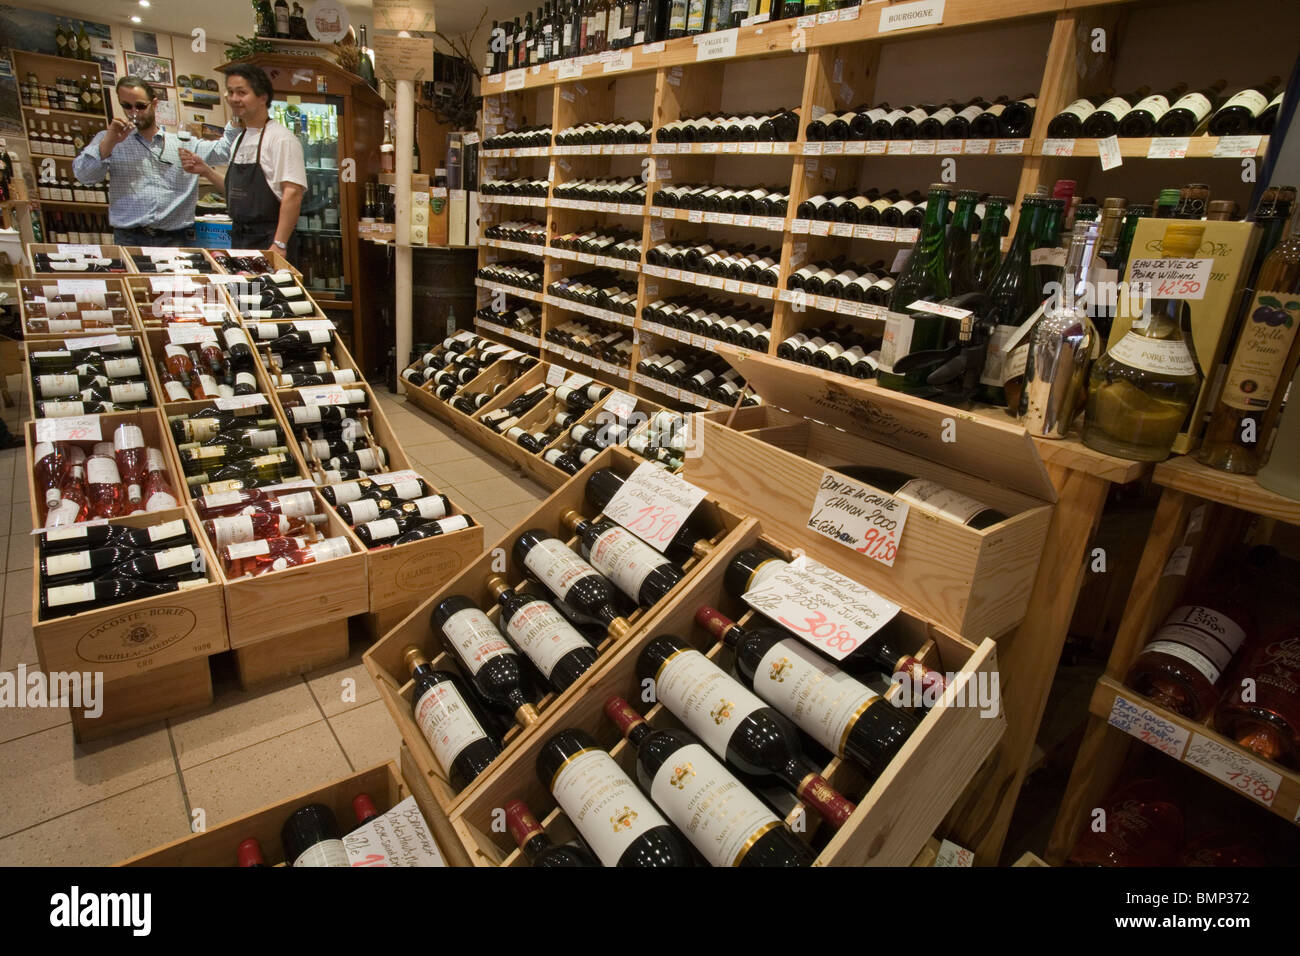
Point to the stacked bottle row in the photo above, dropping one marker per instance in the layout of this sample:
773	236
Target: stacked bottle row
535	188
206	370
527	231
570	402
598	289
231	449
80	228
256	531
978	118
521	273
1172	112
890	208
699	372
77	482
502	419
166	302
171	261
837	279
624	191
732	322
271	296
779	125
76	262
526	137
523	317
753	263
311	836
663	440
90	567
837	348
57	307
70	380
244	265
744	200
601	241
387	513
67	94
593	338
617	132
58	184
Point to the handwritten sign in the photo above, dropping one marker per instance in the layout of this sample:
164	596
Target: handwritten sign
1234	768
82	287
718	45
191	334
397	15
71	428
859	517
935	308
950	854
621	404
1172	278
1168	147
904	16
94	342
1236	147
1009	147
94	252
833	613
1108	150
172	284
555	375
403	58
239	401
654	505
1137	721
515	80
399	837
1058	147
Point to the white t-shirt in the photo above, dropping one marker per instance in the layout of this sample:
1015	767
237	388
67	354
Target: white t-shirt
281	156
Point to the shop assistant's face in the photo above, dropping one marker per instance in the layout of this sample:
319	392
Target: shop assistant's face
244	103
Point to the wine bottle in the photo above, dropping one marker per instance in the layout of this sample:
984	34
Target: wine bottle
735	724
925	278
1141	120
927	495
537	846
555	647
311	835
1013	295
549	561
840	713
91	595
1188	112
616	819
637	569
451	720
489	659
1238	115
728	825
1104	120
1267	721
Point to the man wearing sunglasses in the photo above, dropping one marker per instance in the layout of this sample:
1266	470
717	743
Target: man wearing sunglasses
151	197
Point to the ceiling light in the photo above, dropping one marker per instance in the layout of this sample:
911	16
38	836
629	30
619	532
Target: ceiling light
144	3
135	19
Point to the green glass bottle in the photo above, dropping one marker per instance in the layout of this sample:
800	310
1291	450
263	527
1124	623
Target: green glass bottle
1132	216
924	277
988	248
961	266
1167	203
367	67
1013	296
1047	254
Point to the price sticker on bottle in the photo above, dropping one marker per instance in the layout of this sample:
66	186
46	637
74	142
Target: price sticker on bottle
1238	771
1171	278
72	428
1148	727
654	505
859	517
833	613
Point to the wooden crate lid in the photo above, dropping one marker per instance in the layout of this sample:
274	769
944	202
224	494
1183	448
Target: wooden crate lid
995	451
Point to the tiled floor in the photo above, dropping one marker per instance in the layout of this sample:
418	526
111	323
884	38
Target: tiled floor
62	803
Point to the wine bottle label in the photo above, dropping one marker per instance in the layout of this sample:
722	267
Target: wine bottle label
432	507
330	548
1158	356
54	386
364	511
1156	104
70	594
176	557
167	530
556	566
454	523
721	818
1198	104
234	336
369	459
176	392
935	497
247	549
1260	358
122	368
1201	636
347	492
544	635
703	697
625	559
324	853
819	697
66	534
970	112
305	414
1252	100
383	529
131	392
297	505
1048	256
1116	106
60	564
128	437
475	638
102	471
603	803
223	499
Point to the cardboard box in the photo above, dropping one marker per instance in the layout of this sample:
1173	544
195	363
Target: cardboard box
1232	247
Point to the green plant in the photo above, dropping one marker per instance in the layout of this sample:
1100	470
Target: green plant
244	47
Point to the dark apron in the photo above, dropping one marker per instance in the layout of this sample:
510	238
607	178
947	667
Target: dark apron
251	203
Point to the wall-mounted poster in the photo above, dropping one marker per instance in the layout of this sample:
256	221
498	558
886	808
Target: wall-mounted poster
165	113
145	42
155	69
34	30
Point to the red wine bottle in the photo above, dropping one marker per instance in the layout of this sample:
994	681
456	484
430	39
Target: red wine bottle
537	846
736	725
617	821
556	648
68	599
691	539
846	717
169	534
492	665
725	822
364	808
637	569
549	561
880	653
451	721
311	838
927	494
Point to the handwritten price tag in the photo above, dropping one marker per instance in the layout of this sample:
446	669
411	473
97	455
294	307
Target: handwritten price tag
833	613
91	342
555	375
72	428
621	404
654	505
1137	721
191	333
1233	147
950	854
1058	147
1168	147
1108	150
859	517
239	401
82	286
1172	278
1240	772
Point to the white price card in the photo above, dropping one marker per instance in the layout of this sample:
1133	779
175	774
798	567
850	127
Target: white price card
82	286
1009	147
950	854
172	284
92	342
977	147
904	16
924	147
190	333
324	395
515	80
898	147
1168	147
1236	147
1171	278
1140	722
399	837
935	308
859	517
1058	147
72	428
555	375
1108	150
1177	564
833	613
949	147
578	381
621	61
654	505
239	401
93	251
1236	769
716	46
326	325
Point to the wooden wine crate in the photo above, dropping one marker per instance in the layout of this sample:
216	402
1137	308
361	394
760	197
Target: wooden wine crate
167	691
108	252
184	333
384	660
896	813
31	288
320	645
975	582
129	639
137	254
62	343
387	784
146	290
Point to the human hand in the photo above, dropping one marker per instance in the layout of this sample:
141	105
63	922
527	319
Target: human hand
118	130
191	163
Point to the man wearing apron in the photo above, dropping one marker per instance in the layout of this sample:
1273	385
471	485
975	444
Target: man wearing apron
266	179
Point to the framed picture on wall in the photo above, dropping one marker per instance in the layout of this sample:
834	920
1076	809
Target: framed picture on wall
145	42
154	69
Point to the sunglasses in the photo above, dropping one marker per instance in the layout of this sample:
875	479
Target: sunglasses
128	107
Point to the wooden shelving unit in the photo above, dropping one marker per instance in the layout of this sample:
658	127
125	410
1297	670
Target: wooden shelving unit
832	63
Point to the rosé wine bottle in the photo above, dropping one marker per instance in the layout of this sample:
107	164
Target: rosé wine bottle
51	467
241	559
158	494
72	506
129	452
104	483
226	503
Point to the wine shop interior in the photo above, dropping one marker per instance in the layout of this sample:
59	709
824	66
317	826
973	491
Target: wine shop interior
650	433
